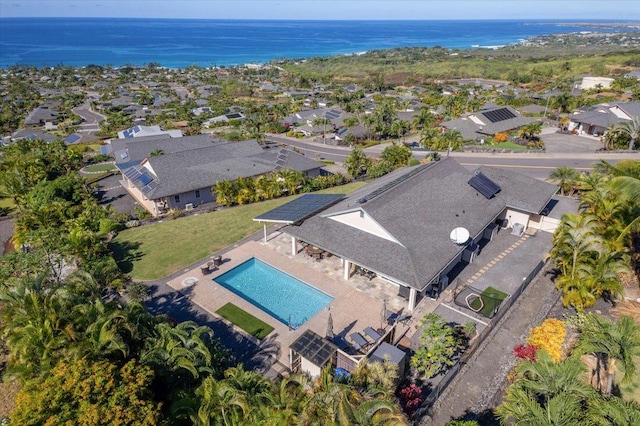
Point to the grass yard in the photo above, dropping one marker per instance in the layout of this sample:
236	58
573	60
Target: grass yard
154	251
488	301
245	321
104	167
504	145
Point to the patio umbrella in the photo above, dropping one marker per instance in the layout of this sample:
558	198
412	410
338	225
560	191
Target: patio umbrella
330	327
383	313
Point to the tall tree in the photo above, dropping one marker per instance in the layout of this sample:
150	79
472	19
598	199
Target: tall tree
629	128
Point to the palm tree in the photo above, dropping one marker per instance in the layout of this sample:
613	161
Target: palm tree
608	340
613	411
357	162
453	139
521	408
546	393
630	128
575	244
424	119
565	178
178	350
530	130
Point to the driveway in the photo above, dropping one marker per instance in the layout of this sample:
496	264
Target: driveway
567	143
111	192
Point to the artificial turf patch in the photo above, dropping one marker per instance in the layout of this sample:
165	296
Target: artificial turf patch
488	301
245	321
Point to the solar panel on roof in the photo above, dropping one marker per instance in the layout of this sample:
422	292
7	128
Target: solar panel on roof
132	173
300	208
484	185
145	178
498	115
331	114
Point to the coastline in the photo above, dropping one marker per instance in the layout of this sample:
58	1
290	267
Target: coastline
212	43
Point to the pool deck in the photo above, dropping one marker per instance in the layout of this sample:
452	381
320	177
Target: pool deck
358	302
352	310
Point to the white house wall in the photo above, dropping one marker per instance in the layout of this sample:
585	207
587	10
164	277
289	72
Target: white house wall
514	216
144	202
310	368
544	223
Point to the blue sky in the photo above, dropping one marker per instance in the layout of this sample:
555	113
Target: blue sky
333	9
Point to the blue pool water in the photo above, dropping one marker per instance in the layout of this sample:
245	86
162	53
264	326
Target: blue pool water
277	293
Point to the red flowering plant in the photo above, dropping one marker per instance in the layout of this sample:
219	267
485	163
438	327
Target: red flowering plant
410	397
526	351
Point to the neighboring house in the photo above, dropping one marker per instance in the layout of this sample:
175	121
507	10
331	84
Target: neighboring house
144	131
225	118
487	122
184	172
41	115
589	82
201	110
357	132
32	134
597	120
401	226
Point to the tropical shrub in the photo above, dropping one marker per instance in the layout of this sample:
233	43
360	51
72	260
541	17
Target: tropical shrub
549	337
527	352
439	344
500	137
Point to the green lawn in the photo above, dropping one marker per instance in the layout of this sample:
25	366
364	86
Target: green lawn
488	301
154	251
245	321
504	145
105	167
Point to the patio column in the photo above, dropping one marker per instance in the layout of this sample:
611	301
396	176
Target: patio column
264	225
294	246
347	269
412	299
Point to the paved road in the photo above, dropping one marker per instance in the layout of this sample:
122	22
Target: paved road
536	165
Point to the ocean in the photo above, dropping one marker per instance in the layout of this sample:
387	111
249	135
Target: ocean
176	43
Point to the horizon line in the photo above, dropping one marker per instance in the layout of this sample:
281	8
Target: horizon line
573	20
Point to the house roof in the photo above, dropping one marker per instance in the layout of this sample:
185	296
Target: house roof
418	208
136	149
488	121
600	118
187	170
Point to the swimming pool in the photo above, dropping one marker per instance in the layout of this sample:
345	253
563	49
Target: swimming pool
289	300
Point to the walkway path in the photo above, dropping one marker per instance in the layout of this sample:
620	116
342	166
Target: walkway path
479	383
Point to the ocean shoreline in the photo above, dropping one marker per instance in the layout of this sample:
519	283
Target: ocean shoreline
229	43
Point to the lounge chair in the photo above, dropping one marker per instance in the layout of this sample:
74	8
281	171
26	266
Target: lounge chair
404	318
370	332
359	341
392	317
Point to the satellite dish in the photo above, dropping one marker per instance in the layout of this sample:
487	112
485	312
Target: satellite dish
459	235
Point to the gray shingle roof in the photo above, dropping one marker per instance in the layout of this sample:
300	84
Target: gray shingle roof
471	130
420	213
188	170
137	149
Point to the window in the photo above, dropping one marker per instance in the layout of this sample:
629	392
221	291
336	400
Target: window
197	193
176	198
